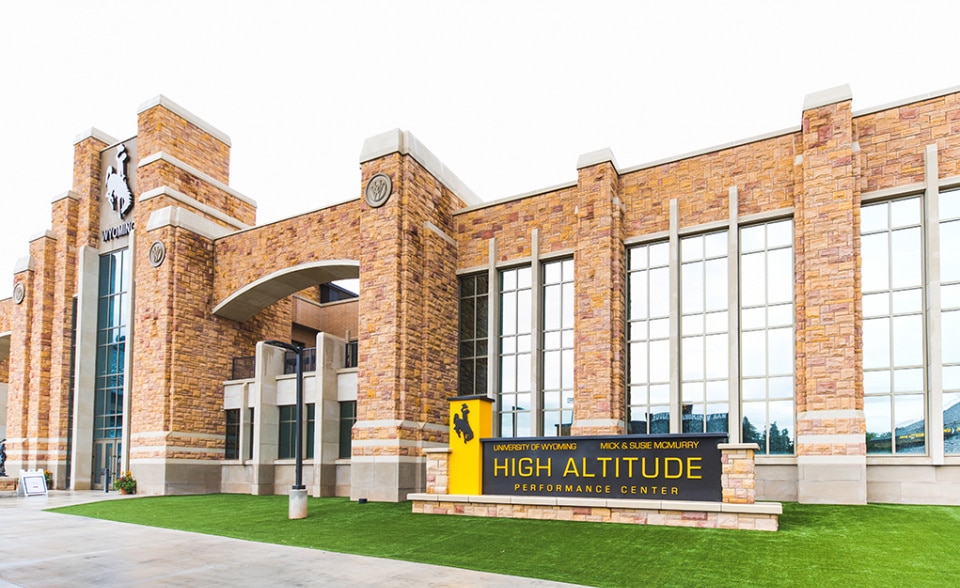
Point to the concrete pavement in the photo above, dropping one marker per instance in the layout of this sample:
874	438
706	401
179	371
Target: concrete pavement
46	549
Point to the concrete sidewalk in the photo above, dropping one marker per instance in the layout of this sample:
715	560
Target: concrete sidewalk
46	549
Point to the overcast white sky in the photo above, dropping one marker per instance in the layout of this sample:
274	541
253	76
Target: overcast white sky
506	94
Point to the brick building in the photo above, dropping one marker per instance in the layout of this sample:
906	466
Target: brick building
799	290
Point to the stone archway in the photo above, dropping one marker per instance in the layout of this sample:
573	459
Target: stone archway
250	299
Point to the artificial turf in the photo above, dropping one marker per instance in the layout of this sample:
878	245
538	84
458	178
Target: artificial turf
817	545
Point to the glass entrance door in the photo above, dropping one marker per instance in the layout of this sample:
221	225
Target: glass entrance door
106	454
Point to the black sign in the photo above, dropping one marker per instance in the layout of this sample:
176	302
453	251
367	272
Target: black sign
660	467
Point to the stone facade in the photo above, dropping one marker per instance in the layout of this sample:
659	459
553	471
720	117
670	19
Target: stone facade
227	284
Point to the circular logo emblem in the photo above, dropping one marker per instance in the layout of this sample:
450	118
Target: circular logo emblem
378	190
19	292
157	254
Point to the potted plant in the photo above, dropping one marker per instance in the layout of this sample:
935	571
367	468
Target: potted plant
48	478
125	483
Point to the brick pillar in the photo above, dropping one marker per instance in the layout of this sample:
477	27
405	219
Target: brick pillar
407	318
738	477
18	390
831	448
175	399
599	322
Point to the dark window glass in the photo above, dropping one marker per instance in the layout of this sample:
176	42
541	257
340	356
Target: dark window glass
348	416
288	432
473	335
232	449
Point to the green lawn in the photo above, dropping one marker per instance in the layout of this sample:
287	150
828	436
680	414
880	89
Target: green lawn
880	545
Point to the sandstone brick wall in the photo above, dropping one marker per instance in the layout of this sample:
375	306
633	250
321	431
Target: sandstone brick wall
600	311
327	234
829	345
161	129
6	308
892	142
336	318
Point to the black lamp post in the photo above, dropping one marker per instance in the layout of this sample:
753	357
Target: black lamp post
298	351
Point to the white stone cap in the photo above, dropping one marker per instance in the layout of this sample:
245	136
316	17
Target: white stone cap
736	446
828	96
44	235
161	100
96	134
404	143
68	194
23	264
599	156
437	450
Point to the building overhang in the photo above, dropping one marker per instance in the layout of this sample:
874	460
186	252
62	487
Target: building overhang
248	300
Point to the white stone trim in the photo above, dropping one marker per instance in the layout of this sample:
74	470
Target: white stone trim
830	439
174	216
949	183
599	423
96	134
163	156
46	234
905	101
432	227
597	157
521	196
396	443
765	217
829	414
828	96
896	191
715	148
189	201
803	460
64	195
400	424
356	459
161	100
648	238
403	142
24	264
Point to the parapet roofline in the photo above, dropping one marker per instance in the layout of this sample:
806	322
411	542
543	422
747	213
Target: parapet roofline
185	114
404	143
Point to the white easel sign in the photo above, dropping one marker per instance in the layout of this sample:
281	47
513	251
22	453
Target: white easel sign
32	483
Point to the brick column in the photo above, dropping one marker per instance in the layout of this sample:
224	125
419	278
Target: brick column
407	317
600	315
438	470
738	476
831	448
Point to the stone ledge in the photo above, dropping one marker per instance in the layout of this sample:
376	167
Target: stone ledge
771	508
681	513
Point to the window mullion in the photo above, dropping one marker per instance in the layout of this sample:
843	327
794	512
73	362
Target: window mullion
931	243
734	426
675	407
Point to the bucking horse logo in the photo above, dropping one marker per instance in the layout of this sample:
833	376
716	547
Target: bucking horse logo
461	425
118	191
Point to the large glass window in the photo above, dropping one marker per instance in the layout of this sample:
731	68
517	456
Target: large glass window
515	353
891	245
950	317
557	354
473	335
648	334
113	301
704	353
766	336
